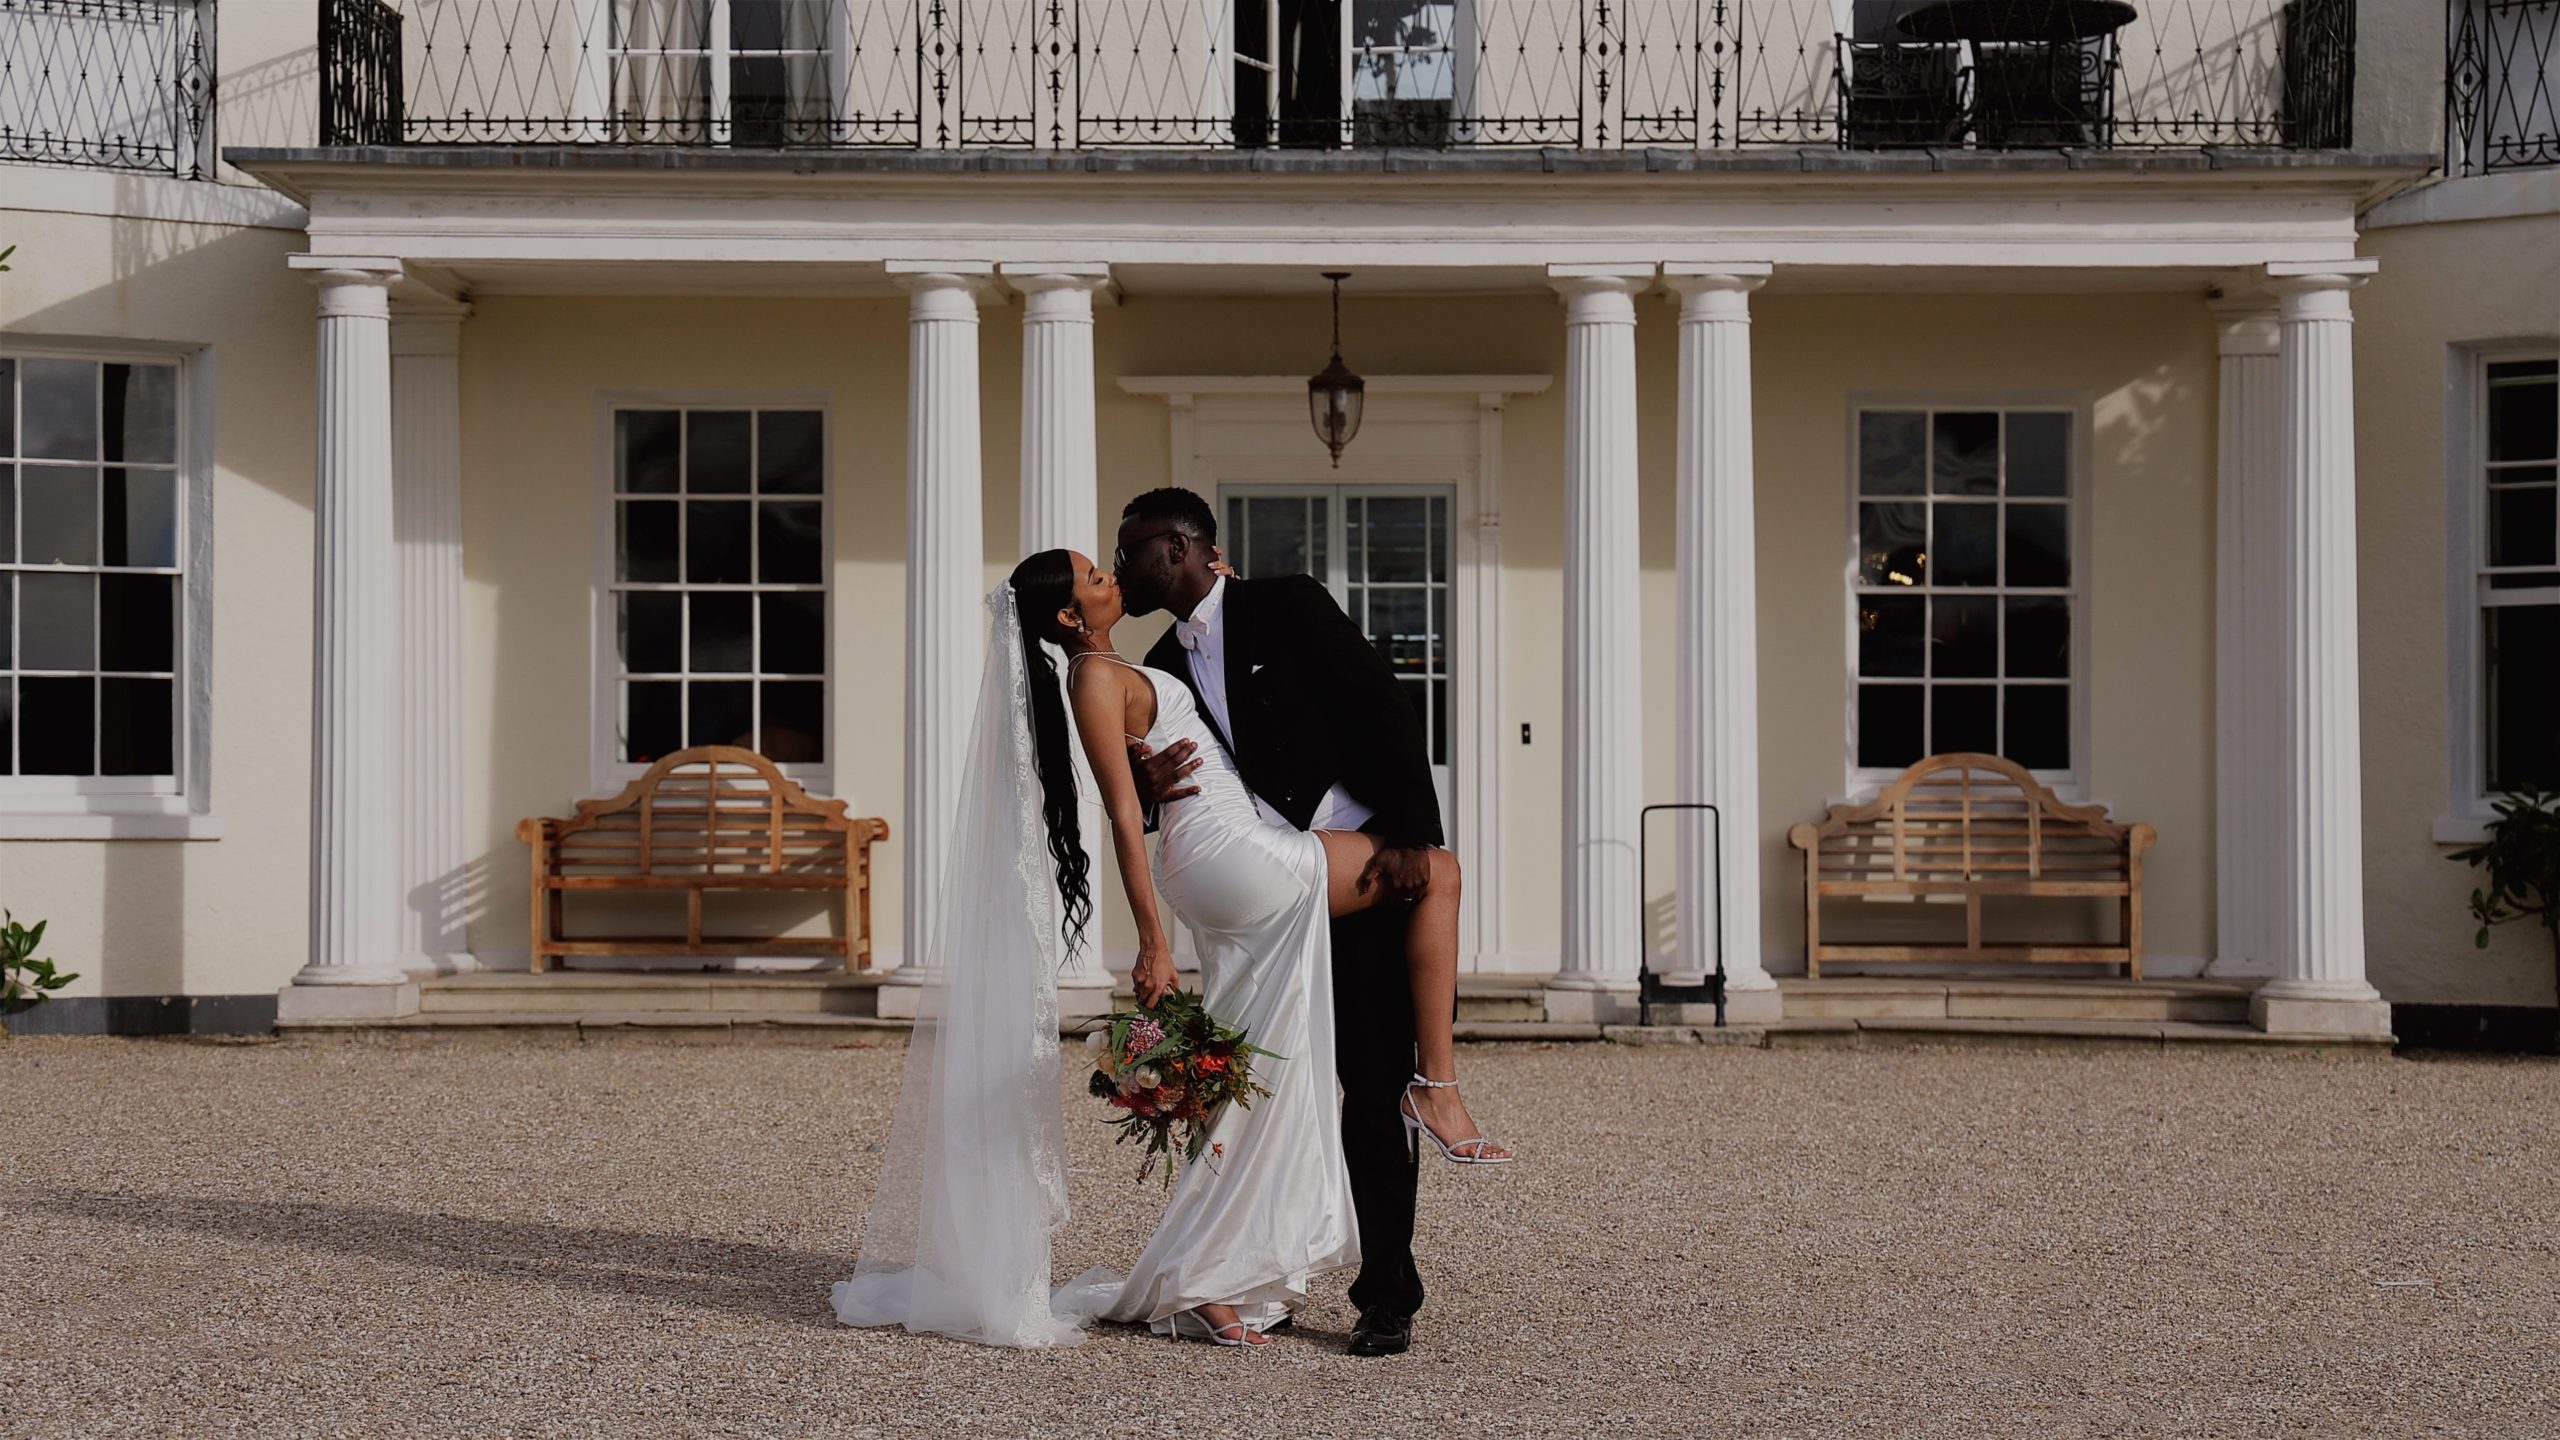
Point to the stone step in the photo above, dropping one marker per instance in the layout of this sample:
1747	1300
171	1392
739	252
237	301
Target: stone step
1886	1033
1863	997
539	1027
582	993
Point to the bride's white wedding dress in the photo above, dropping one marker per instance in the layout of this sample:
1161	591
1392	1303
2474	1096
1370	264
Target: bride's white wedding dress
974	1179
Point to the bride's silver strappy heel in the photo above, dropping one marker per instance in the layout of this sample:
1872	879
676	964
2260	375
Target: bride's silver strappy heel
1465	1152
1188	1325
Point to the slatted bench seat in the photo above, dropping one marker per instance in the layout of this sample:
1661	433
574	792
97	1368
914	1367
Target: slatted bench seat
713	818
1978	827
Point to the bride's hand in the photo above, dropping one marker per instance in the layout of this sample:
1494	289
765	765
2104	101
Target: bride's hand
1153	976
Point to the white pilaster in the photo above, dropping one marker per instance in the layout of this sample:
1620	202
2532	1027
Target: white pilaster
354	964
2320	984
426	533
1059	508
1718	635
945	578
1603	701
2247	643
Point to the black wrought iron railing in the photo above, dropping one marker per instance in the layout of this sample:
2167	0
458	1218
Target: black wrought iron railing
1339	74
2502	85
111	84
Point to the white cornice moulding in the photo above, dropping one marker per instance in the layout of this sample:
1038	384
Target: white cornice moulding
1172	385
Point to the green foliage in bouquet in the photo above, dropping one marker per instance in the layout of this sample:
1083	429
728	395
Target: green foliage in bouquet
2523	861
25	977
1170	1068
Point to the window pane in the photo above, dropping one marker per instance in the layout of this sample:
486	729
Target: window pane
8	726
652	720
57	622
795	635
723	713
1892	458
651	632
646	447
646	540
2039	726
2039	453
1398	621
2039	637
8	628
2524	695
1889	726
1964	717
1439	722
1277	528
1965	453
138	623
1436	519
789	543
58	403
140	406
715	455
141	513
723	631
795	723
57	726
8	504
1964	636
8	444
1891	631
59	515
1397	538
1892	544
791	452
2524	414
1965	550
716	543
136	728
1417	693
2039	545
2521	526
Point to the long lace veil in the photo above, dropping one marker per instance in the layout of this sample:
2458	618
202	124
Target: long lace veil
973	1179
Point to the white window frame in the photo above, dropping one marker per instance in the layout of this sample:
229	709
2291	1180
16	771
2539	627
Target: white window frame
1862	782
121	807
607	771
2468	804
598	87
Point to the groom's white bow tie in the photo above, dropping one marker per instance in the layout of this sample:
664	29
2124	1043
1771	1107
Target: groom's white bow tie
1191	633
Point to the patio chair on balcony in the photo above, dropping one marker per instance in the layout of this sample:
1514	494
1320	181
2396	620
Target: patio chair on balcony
1896	93
2040	95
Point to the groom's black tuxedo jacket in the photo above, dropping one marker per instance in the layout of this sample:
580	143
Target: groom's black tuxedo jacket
1313	706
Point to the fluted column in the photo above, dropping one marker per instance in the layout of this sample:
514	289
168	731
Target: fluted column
1718	634
946	568
2247	576
355	921
1603	686
1059	509
426	527
2319	985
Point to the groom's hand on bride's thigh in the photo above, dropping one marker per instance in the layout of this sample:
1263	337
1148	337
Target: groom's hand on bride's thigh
1404	872
1160	777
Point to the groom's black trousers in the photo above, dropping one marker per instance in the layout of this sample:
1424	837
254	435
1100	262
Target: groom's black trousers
1373	1053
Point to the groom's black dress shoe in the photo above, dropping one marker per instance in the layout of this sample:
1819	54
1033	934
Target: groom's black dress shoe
1381	1332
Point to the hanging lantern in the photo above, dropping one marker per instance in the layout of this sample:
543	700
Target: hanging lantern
1334	394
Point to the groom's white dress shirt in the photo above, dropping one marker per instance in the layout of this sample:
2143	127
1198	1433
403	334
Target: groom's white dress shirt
1204	634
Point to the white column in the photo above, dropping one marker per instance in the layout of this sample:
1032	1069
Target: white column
1718	630
1604	694
2319	985
946	568
1059	506
2247	565
426	533
354	966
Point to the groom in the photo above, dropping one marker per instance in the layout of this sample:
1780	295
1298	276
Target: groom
1322	733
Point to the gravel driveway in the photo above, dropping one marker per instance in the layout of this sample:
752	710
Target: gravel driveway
622	1240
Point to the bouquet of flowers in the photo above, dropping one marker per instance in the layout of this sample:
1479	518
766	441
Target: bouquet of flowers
1170	1067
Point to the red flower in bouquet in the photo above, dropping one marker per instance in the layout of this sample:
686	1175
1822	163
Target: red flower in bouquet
1171	1067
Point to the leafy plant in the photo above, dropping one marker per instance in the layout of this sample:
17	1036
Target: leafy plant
2522	858
25	977
4	258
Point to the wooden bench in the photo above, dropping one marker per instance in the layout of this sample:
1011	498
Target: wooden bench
1974	826
715	817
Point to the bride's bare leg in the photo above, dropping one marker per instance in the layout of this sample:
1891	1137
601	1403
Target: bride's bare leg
1431	957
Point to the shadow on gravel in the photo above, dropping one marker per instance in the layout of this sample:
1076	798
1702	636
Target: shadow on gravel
762	1281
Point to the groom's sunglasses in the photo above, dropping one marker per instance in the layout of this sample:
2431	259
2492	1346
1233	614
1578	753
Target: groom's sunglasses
1120	556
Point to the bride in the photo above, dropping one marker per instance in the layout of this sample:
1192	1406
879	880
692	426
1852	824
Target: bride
975	1178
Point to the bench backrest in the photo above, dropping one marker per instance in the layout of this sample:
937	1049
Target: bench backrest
1970	817
709	811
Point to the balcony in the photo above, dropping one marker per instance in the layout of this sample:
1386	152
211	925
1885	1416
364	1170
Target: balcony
108	84
1594	75
2502	85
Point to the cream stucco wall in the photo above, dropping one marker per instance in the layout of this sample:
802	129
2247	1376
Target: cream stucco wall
2441	287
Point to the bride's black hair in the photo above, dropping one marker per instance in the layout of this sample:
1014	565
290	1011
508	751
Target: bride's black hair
1043	585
